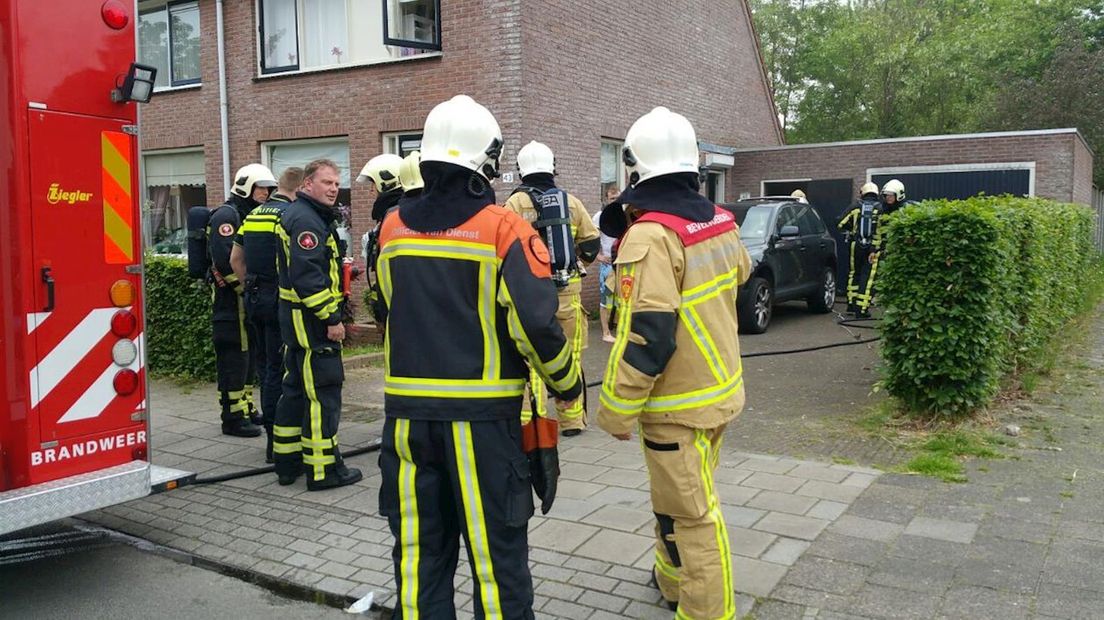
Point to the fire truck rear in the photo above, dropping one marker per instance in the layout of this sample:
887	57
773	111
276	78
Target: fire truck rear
74	433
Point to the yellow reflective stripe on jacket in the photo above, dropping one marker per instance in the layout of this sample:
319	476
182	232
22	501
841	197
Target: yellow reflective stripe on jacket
453	388
525	347
608	396
440	248
486	307
289	295
708	290
704	342
266	226
698	398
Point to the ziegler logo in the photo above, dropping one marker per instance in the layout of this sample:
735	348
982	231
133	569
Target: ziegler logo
56	195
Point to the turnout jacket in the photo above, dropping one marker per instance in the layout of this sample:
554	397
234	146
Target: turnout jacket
677	359
221	229
468	307
258	239
309	269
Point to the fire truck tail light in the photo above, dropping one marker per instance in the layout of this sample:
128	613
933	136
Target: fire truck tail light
123	323
124	353
125	382
122	293
114	14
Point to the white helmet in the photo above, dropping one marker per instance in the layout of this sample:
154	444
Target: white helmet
462	132
868	188
658	143
893	186
383	170
799	196
535	157
410	173
249	176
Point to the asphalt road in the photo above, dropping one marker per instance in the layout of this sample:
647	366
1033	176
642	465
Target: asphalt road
101	578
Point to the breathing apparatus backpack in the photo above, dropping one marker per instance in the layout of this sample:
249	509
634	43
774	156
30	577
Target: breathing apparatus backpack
553	224
199	259
867	221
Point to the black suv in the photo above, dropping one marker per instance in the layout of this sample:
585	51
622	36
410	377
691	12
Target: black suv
793	256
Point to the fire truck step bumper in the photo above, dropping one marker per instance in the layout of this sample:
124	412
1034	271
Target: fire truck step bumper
50	501
166	478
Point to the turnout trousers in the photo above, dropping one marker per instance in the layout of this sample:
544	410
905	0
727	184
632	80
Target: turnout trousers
232	338
447	479
305	427
860	281
693	561
269	353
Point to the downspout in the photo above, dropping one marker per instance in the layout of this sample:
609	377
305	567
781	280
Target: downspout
224	105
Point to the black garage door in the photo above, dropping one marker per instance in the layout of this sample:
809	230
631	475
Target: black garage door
958	185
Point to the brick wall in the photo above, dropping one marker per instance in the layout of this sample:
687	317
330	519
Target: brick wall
1082	172
600	64
1060	160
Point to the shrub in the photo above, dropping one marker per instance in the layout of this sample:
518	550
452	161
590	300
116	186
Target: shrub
973	291
178	321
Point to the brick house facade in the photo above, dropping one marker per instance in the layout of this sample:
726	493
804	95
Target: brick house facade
567	73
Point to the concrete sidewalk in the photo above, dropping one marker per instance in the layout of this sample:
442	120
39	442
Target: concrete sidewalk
591	557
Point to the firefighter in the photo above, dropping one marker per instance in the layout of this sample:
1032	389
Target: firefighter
309	271
674	370
231	332
862	230
537	166
254	262
473	280
799	196
893	196
410	175
382	174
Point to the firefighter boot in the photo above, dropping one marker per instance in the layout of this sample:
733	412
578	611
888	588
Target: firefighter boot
241	428
339	476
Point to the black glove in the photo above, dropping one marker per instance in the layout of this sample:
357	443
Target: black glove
538	439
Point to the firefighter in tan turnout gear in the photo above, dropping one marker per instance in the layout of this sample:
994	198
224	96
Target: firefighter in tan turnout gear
537	166
674	371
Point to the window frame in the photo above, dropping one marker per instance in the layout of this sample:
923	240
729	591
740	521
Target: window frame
388	40
621	172
173	82
392	141
266	72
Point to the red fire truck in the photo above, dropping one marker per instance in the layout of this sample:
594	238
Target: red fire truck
74	432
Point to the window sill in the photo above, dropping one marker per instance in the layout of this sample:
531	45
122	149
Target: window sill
358	65
174	89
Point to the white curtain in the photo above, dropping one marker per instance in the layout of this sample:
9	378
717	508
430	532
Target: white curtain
281	41
282	156
325	33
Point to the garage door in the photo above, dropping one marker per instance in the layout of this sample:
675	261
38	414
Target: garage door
958	185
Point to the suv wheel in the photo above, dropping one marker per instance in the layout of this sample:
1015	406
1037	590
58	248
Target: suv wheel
755	312
822	299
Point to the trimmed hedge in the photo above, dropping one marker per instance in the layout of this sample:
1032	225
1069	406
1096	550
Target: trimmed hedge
973	291
178	321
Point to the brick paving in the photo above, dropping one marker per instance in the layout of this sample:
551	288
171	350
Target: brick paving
591	557
1023	539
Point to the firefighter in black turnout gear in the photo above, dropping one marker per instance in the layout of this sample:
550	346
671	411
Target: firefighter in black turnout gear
254	261
231	332
382	172
862	231
309	269
468	285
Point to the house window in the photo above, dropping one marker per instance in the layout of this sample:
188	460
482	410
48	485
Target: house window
402	144
168	38
279	156
613	168
299	35
413	24
175	182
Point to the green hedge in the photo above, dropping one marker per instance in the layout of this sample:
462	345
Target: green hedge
178	321
973	291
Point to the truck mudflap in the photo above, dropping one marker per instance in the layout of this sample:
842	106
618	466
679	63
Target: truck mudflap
42	503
